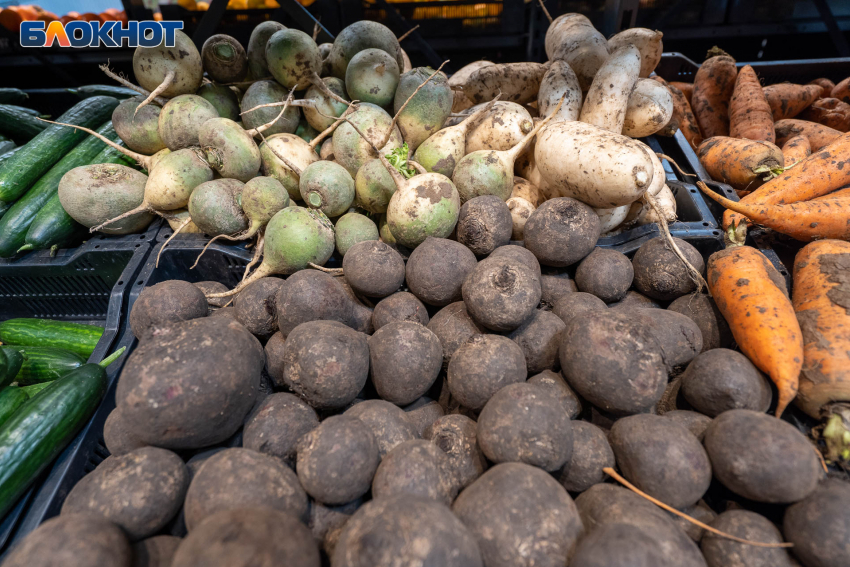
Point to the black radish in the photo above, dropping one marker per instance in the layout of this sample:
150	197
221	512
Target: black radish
181	119
357	37
372	76
426	112
294	61
169	71
138	130
327	186
223	98
224	59
257	67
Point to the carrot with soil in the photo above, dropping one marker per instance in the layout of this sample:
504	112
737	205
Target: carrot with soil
795	150
787	100
751	295
819	135
714	84
743	164
683	115
750	116
686	88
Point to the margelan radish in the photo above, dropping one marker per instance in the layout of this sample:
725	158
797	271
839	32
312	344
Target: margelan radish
323	106
224	59
372	76
327	186
230	149
257	66
223	98
266	92
168	71
490	172
351	150
422	114
215	207
357	37
294	61
181	119
373	187
139	130
294	238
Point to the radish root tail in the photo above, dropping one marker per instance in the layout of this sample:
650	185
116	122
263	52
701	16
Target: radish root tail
352	106
403	106
258	253
121	80
334	271
142	160
676	165
166	82
143	208
665	230
175	233
405	35
320	84
545	11
613	474
238	236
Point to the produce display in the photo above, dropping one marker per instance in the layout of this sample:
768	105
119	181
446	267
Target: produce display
11	17
430	360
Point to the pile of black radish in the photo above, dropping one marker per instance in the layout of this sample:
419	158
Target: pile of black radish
446	397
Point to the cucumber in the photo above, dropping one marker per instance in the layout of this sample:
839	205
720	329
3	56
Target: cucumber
25	110
7	145
10	364
10	153
12	96
111	155
105	90
44	425
44	364
21	171
4	207
11	399
33	389
75	337
20	125
16	222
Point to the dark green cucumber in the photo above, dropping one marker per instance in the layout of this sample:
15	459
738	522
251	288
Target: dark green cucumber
33	389
104	90
6	145
20	125
16	222
12	96
52	226
44	425
75	337
10	364
21	171
11	399
4	207
10	153
44	364
25	110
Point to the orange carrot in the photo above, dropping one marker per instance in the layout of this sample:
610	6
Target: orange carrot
713	86
819	136
829	112
825	83
787	100
750	116
841	91
743	164
683	115
796	149
821	173
840	194
686	88
822	301
805	220
752	297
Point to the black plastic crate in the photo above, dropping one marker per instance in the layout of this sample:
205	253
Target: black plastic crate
677	67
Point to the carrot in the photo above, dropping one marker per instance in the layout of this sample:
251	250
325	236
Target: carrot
806	220
840	194
752	297
787	100
821	173
683	115
686	88
822	301
796	149
750	116
841	91
713	86
829	112
819	136
743	164
825	83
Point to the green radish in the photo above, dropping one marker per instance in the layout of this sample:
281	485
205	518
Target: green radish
16	222
139	130
267	92
224	59
327	186
294	238
306	132
181	119
444	149
351	150
222	98
257	66
74	337
357	37
294	61
352	228
323	107
215	207
10	363
230	149
43	364
11	398
297	155
373	187
45	424
384	231
169	71
429	108
491	172
373	76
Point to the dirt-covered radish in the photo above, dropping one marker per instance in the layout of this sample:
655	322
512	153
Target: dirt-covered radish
323	107
648	43
224	59
491	172
517	82
215	207
501	293
355	38
649	109
609	219
501	128
608	96
181	119
559	82
429	108
257	66
327	186
572	38
372	76
298	155
223	98
139	130
642	212
169	71
456	81
351	150
441	151
520	210
294	61
92	194
484	223
353	228
229	149
294	238
373	187
266	92
603	169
